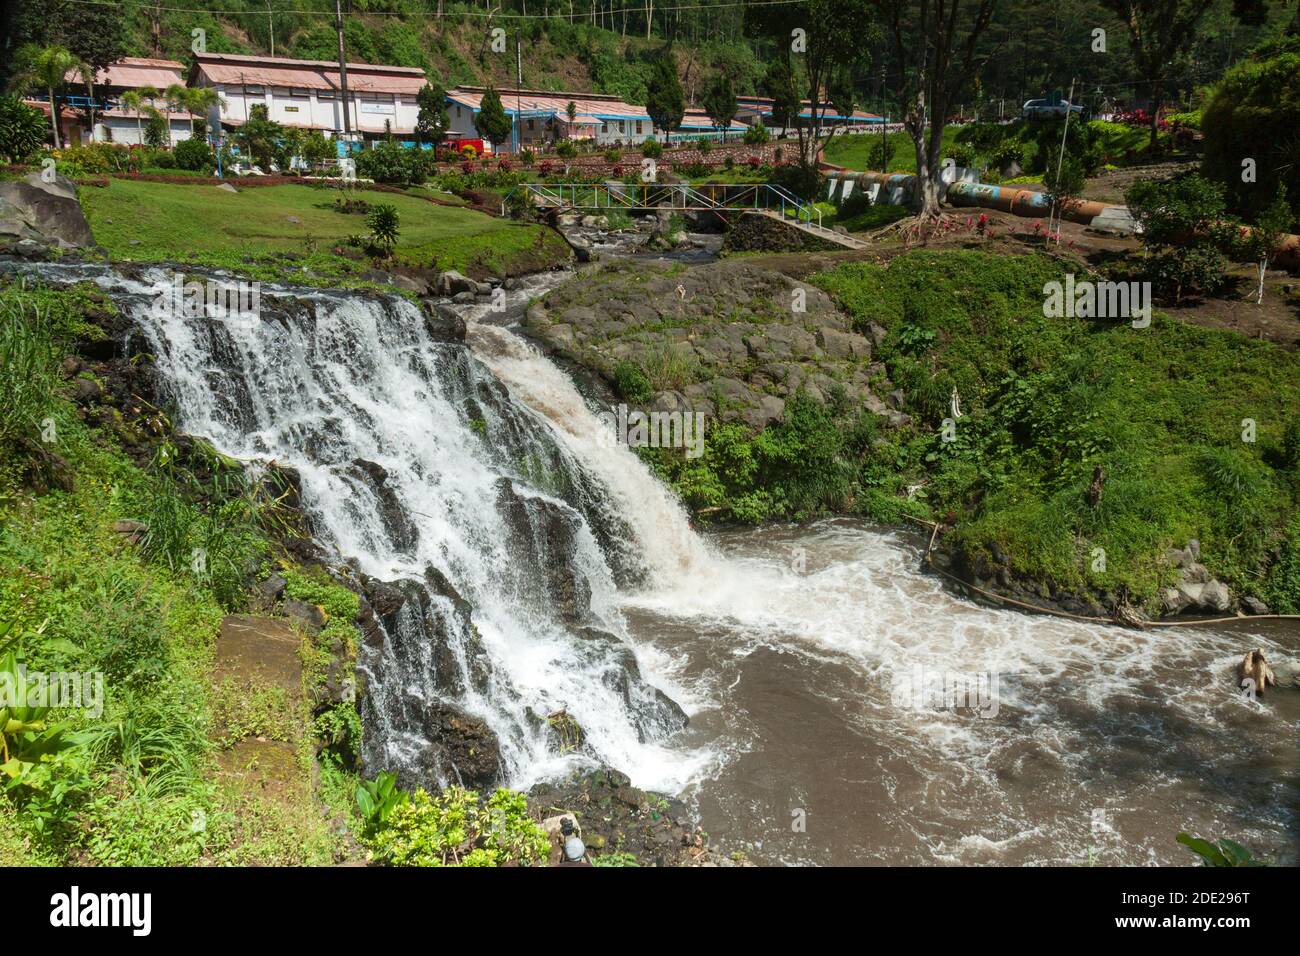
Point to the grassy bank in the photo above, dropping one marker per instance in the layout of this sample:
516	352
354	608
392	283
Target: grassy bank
290	231
1161	410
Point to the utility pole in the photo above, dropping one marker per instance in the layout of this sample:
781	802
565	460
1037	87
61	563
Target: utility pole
519	85
270	21
343	75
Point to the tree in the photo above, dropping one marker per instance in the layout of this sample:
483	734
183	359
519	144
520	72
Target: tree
1159	31
93	33
140	101
934	44
571	111
720	103
824	43
778	83
432	122
492	121
193	100
47	67
665	103
1266	235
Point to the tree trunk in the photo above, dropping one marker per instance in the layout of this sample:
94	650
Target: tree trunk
54	117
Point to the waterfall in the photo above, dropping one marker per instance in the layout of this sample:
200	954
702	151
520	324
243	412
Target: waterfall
491	554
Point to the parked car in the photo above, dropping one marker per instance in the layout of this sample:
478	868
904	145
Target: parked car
1047	110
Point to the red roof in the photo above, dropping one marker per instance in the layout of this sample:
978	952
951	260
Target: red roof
133	72
228	69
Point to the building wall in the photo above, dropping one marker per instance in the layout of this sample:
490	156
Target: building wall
320	109
121	129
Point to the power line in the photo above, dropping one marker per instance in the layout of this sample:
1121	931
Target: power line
485	15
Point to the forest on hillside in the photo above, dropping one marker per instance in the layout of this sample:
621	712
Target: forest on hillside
1029	48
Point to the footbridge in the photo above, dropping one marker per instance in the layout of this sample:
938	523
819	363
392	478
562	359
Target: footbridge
723	199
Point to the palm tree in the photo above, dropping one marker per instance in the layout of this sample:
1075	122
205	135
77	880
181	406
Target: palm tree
134	100
199	101
48	67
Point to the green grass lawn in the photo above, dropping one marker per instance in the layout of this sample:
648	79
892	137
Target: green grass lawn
851	151
145	221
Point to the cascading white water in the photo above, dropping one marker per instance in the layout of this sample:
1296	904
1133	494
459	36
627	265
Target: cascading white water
411	456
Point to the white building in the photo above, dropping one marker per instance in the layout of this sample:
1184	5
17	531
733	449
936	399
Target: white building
306	93
543	117
113	122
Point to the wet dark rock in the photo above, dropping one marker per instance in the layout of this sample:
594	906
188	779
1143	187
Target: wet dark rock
401	530
543	536
461	748
442	322
615	817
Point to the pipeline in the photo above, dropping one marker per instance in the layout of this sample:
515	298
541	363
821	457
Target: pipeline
960	189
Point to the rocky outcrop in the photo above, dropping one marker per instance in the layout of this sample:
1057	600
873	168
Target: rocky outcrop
42	212
734	341
1197	590
612	816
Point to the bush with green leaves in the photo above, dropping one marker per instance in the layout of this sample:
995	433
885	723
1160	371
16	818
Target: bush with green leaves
1007	152
22	130
652	148
1184	229
457	828
383	222
631	382
962	154
377	799
389	162
194	154
757	134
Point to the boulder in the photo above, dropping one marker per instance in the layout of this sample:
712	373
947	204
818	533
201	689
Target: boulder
1253	605
451	282
443	323
310	618
1216	597
32	208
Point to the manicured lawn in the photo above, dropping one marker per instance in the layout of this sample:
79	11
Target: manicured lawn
145	221
851	151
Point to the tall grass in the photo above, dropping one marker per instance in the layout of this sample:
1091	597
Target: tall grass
29	374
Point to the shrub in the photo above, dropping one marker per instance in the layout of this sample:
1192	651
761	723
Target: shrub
1184	230
1255	112
804	181
631	382
22	129
756	135
963	154
456	828
194	154
527	156
390	163
160	159
382	221
652	148
613	155
1007	152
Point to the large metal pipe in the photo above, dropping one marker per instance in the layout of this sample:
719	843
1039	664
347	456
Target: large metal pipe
897	188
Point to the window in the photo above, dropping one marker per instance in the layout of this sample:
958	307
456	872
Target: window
638	126
622	126
530	125
254	89
458	112
604	127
